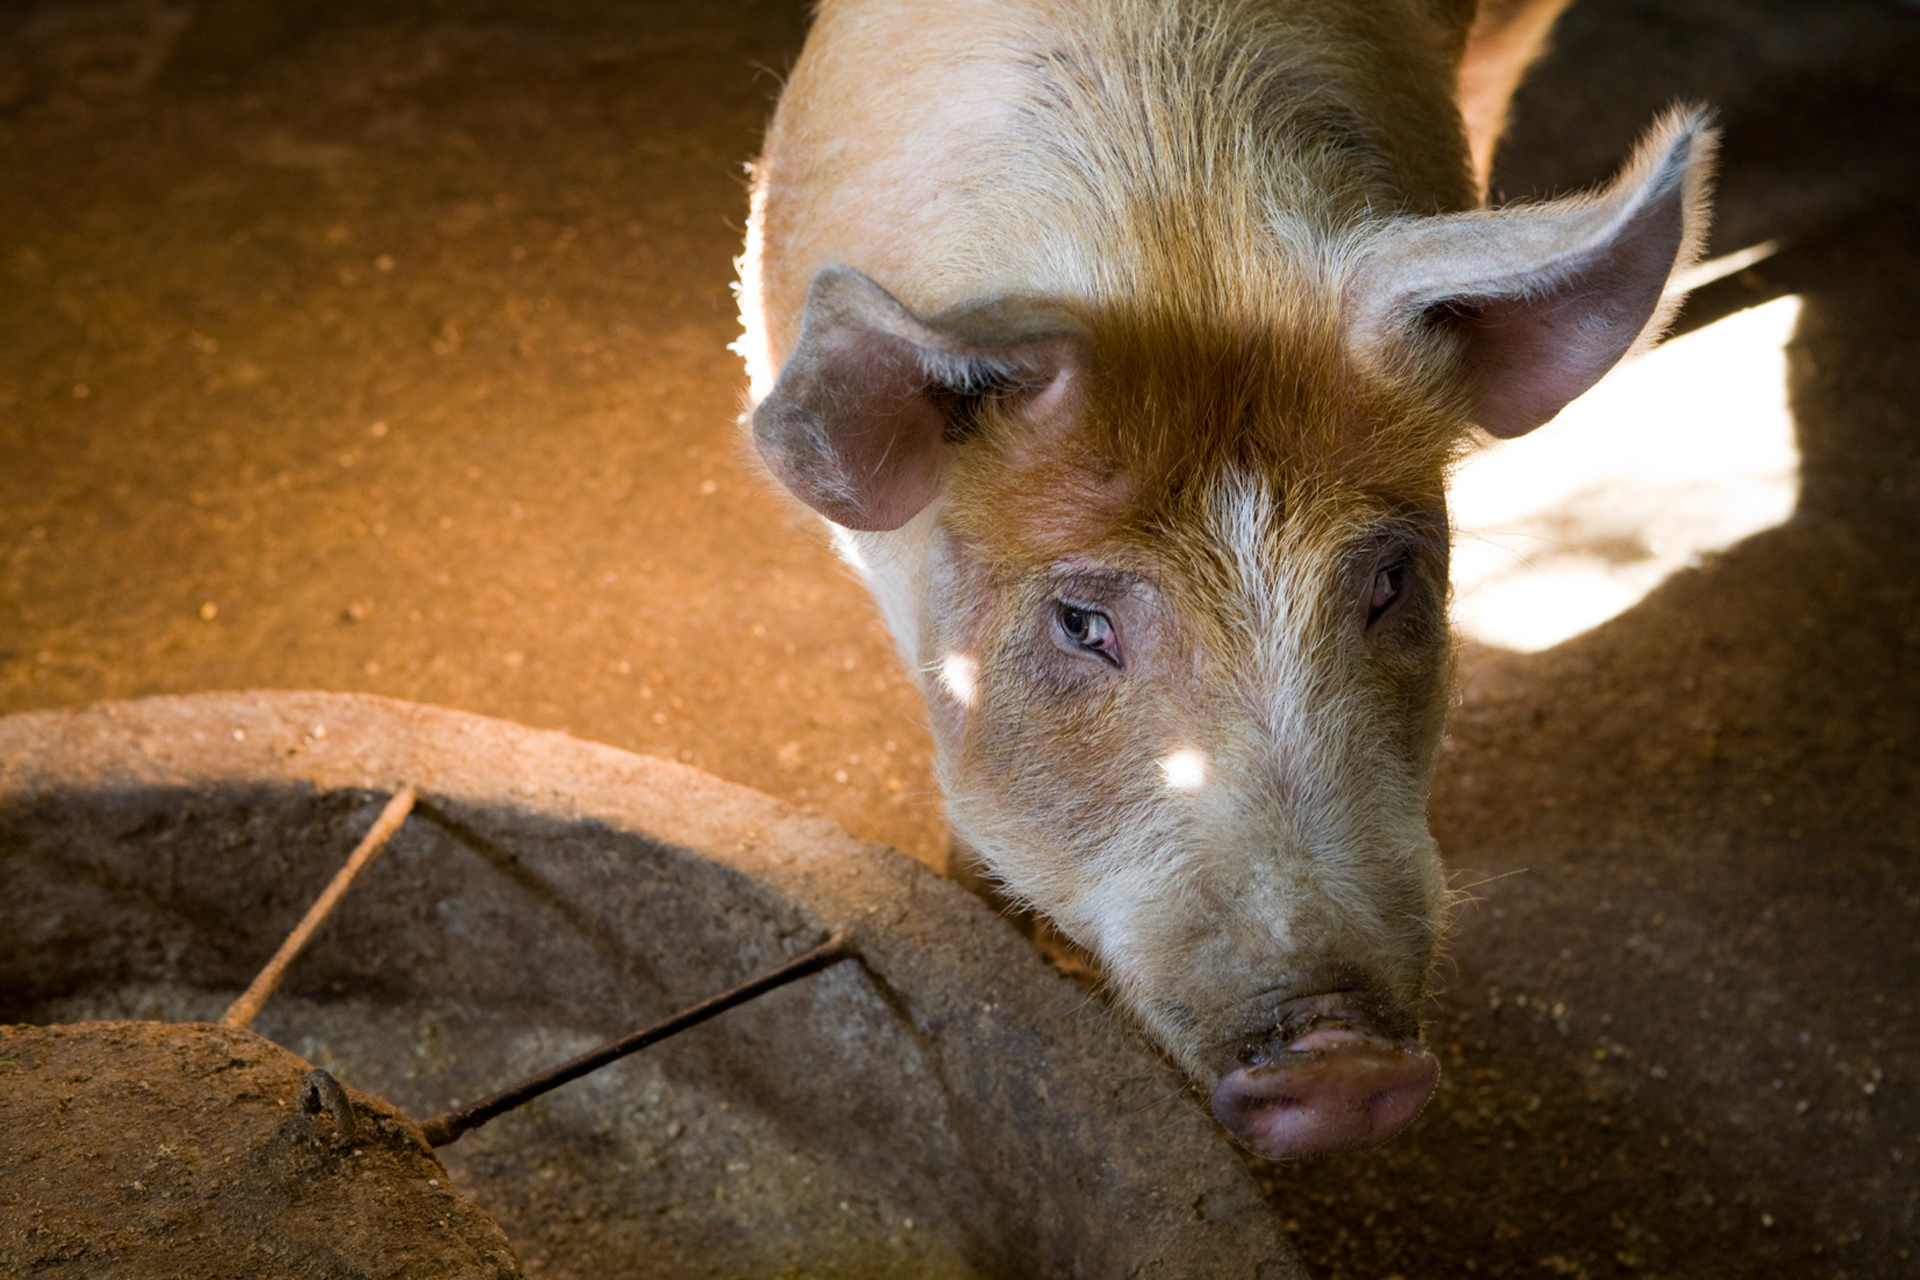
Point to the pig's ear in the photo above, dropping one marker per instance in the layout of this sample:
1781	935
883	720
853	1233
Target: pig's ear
1539	301
867	409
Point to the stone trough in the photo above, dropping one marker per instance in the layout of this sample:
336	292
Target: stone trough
946	1105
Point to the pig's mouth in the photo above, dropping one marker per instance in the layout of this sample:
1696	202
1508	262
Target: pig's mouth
1324	1080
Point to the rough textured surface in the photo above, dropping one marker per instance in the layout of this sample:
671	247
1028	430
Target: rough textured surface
396	334
153	1151
948	1106
197	203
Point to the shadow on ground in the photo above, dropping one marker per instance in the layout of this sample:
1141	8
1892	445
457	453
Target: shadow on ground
360	349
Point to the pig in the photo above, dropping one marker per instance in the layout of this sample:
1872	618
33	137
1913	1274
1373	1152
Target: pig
1124	346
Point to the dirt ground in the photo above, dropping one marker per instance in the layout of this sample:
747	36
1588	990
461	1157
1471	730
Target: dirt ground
382	348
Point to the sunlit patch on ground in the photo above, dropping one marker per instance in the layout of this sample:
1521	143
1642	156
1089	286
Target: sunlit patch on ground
1681	453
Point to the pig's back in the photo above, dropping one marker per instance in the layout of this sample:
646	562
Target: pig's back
1103	152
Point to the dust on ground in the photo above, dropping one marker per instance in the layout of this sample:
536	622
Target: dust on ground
377	348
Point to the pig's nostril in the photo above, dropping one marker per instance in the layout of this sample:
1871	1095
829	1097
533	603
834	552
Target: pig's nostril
1328	1072
1343	1090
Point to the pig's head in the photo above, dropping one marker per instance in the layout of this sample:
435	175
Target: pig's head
1176	587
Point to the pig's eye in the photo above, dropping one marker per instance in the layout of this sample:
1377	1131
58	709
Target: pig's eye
1387	583
1086	629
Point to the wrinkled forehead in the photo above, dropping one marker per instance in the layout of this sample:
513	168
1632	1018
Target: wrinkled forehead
1185	450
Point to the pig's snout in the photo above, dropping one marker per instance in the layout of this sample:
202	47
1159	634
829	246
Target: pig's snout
1325	1080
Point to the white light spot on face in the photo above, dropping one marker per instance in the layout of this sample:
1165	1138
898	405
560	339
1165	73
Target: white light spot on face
1185	770
960	676
1677	455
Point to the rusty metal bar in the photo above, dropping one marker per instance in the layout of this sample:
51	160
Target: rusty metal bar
319	1091
448	1126
242	1011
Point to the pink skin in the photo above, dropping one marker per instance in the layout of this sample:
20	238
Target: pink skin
1333	1089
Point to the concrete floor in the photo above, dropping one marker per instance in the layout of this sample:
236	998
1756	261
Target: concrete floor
382	348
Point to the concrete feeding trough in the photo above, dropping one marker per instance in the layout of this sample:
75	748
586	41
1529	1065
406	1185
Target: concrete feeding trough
943	1105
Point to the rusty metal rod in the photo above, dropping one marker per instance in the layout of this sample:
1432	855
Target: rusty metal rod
242	1011
449	1125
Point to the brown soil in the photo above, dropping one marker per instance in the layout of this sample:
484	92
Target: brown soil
180	1152
375	347
382	348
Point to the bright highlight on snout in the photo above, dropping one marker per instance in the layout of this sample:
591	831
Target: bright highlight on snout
1674	456
1184	770
960	677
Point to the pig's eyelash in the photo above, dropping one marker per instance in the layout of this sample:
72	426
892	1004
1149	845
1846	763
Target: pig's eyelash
974	377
